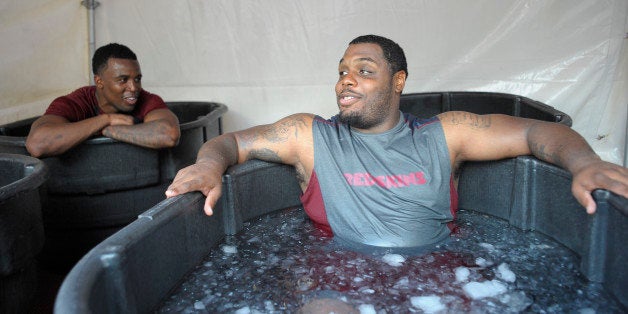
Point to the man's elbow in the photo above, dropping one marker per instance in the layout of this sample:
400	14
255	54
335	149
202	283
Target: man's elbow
36	149
172	137
171	142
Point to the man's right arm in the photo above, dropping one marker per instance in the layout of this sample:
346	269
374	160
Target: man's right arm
53	135
287	141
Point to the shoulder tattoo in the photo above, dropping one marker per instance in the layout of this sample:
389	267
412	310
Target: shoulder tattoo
279	132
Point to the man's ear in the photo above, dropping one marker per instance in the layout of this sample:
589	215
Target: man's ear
399	80
98	81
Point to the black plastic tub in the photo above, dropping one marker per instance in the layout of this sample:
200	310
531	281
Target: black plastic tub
135	269
21	229
101	185
425	105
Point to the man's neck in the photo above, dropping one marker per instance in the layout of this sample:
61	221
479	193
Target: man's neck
384	126
103	105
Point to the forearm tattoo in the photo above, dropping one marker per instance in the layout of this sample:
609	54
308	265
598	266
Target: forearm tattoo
148	135
469	119
542	152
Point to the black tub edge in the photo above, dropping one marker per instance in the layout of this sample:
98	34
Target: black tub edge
37	174
480	102
263	178
118	270
21	230
167	231
534	195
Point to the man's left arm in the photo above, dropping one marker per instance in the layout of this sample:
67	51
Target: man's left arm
490	137
160	129
564	147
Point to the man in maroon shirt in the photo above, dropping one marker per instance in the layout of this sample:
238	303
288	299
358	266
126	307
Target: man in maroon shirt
115	107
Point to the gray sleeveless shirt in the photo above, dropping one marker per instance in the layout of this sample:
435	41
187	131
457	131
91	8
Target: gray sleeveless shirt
390	189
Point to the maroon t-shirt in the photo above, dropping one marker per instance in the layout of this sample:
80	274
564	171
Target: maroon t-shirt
82	104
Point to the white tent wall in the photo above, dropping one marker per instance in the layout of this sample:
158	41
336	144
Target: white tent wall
268	59
43	54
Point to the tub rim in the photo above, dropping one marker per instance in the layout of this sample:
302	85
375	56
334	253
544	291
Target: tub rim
214	115
232	212
559	116
36	173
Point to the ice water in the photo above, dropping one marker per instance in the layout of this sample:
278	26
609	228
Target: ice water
281	263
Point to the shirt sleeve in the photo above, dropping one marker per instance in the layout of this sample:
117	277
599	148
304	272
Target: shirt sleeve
74	107
150	102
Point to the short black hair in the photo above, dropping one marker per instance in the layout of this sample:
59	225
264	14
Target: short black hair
392	51
112	50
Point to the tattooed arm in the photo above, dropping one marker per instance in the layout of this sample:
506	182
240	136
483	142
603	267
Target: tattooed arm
490	137
287	141
53	135
159	130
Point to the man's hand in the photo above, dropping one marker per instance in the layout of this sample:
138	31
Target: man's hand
598	175
120	119
115	119
160	129
202	177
